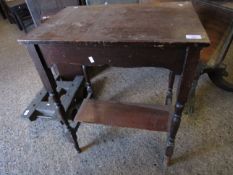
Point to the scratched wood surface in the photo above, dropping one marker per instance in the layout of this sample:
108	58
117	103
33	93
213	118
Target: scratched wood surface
132	23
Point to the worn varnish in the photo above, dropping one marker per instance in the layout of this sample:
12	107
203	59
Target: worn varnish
128	24
150	117
167	35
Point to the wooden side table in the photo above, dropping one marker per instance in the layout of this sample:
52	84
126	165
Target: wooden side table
167	35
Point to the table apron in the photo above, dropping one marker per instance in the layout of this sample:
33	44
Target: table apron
168	57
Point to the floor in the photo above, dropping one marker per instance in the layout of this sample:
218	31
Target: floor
203	147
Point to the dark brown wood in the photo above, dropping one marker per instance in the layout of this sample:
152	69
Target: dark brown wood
42	68
122	25
120	56
121	35
124	115
50	85
67	22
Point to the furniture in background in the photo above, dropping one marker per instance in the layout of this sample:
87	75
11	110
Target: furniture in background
42	9
122	42
6	11
2	10
217	19
17	12
20	13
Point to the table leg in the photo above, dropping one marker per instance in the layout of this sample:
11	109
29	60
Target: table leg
50	85
185	83
88	82
170	88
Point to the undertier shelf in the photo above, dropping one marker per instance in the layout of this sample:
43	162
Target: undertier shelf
140	116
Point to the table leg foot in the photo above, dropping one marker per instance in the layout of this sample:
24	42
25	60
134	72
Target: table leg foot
73	132
168	153
76	145
174	126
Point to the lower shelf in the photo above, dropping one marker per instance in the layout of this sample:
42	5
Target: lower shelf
149	117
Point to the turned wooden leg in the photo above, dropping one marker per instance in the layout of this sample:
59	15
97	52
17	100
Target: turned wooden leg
185	83
50	84
175	123
170	88
62	115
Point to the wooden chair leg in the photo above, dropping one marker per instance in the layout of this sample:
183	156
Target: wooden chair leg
170	88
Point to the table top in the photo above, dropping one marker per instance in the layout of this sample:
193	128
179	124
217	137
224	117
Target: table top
160	23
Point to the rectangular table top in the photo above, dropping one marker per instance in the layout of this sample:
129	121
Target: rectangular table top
160	23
